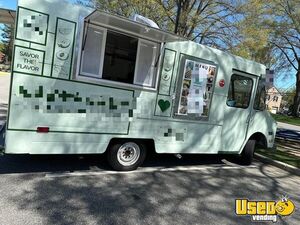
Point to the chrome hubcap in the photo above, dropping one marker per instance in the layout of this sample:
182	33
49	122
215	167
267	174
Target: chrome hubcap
128	154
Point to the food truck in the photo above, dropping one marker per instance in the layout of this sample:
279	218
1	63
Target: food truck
86	82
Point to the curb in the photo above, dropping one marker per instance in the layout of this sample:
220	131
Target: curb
281	165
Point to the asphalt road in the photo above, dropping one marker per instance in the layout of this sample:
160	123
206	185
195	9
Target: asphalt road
288	134
83	190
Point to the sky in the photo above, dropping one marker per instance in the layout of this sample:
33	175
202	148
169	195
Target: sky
8	4
284	80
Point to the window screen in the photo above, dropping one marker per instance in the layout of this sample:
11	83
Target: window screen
239	93
92	49
119	57
145	65
260	96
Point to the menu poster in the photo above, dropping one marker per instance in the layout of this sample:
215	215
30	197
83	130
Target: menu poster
197	80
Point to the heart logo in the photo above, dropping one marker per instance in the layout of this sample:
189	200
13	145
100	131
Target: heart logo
164	104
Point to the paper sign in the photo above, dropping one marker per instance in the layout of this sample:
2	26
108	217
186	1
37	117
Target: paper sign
197	81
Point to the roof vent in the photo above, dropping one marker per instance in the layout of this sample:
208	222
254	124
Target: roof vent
144	20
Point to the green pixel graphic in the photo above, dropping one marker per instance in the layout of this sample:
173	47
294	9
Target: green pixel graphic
111	106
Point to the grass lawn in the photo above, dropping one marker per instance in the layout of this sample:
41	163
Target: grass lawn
280	156
286	119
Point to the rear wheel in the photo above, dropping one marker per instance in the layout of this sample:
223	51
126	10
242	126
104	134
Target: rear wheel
126	155
248	153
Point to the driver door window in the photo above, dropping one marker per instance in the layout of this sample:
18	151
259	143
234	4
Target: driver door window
239	93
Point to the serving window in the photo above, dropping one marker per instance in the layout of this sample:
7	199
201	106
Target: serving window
118	57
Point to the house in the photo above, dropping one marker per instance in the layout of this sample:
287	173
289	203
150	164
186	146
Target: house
273	99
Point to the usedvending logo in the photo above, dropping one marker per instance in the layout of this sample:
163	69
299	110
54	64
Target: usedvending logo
264	210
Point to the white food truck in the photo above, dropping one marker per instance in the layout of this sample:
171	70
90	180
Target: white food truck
85	81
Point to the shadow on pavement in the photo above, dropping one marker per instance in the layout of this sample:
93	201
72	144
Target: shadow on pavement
179	197
70	163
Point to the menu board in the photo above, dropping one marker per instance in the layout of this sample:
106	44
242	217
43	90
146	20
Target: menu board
196	88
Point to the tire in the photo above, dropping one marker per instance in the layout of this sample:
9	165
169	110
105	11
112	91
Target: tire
126	155
248	153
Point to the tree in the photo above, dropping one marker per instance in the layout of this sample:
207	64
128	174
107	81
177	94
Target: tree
288	96
270	34
204	21
7	42
285	22
253	34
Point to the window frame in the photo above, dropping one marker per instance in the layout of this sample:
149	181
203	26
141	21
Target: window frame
134	72
92	78
250	94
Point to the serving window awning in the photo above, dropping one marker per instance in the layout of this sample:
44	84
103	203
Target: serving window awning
7	16
131	27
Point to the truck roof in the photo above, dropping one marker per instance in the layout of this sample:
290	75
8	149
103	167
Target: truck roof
7	16
122	23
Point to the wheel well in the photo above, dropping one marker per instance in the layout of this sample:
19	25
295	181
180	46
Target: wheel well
260	139
149	143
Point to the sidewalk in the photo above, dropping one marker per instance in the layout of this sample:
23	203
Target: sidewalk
286	154
290	147
3	113
4	87
4	95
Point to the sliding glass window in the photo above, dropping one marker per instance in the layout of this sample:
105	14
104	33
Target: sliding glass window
146	64
92	51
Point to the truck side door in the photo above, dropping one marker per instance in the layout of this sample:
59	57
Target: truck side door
237	111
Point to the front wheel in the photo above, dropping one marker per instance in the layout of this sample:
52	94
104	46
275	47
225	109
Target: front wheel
248	153
126	155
